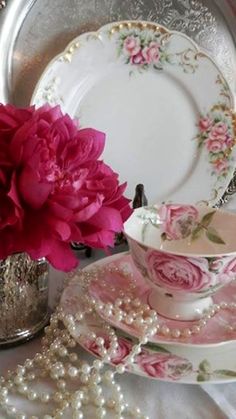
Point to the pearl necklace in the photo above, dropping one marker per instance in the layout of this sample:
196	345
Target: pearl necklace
79	385
132	311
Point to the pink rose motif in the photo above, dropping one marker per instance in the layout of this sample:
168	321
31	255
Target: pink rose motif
131	45
161	365
219	132
215	146
151	53
221	166
178	220
205	123
138	58
178	273
229	271
123	349
230	142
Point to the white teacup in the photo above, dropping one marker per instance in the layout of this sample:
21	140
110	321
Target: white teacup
185	252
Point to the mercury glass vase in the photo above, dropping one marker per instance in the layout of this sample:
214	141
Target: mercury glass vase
23	298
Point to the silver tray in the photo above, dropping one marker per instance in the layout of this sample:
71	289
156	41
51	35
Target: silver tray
32	32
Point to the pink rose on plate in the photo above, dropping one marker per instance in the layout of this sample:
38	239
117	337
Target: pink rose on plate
178	273
219	132
123	349
178	220
138	58
221	165
151	53
132	45
161	365
215	146
205	123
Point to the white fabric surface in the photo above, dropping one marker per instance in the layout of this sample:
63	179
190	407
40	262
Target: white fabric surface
157	399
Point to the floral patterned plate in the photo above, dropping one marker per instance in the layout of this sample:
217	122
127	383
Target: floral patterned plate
180	364
145	87
117	284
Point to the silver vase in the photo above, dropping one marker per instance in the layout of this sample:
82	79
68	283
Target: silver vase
23	298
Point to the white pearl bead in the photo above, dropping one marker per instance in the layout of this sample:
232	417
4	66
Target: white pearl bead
175	333
85	368
57	397
77	415
97	364
3	392
18	379
11	410
186	332
73	357
61	384
100	413
84	378
72	372
100	341
196	329
47	417
45	397
109	376
76	404
21	416
120	369
23	388
165	330
32	395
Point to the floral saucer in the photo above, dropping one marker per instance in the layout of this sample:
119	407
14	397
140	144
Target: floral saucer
129	282
173	363
145	87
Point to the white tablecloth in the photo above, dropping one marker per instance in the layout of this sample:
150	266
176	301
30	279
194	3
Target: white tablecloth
157	399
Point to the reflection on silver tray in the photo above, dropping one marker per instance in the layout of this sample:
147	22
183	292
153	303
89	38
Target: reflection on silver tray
41	29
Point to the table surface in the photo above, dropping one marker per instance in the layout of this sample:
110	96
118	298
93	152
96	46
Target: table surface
157	399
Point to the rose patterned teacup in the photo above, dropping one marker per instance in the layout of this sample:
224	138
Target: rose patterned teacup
185	252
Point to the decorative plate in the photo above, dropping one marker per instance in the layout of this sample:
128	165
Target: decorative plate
173	363
129	282
145	87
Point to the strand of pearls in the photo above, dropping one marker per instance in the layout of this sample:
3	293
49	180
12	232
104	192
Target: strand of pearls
60	364
77	384
131	311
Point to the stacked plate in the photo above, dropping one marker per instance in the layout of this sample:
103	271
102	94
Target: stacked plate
167	111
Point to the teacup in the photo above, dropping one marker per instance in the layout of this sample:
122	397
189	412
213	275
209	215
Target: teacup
185	252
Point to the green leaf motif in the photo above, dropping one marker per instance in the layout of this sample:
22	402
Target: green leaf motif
227	373
207	218
156	348
203	377
196	232
213	236
204	366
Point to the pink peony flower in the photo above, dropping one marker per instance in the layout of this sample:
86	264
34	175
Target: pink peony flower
53	188
215	146
132	45
205	123
179	273
138	58
162	365
151	54
178	220
123	349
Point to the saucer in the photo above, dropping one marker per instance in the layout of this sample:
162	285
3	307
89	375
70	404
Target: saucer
171	362
117	284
